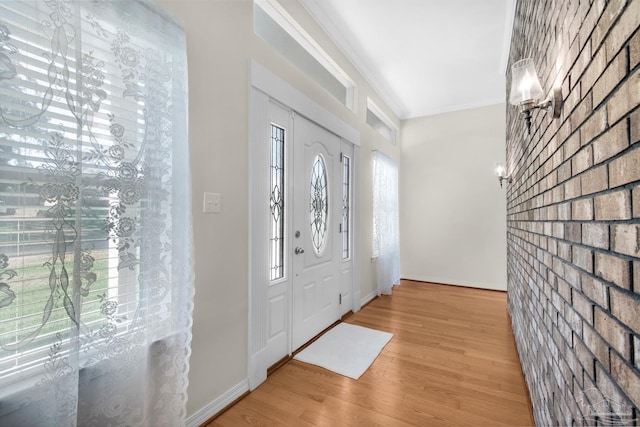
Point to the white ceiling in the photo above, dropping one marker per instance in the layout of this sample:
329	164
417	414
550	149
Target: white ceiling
424	56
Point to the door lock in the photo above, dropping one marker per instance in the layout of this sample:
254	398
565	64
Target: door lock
299	251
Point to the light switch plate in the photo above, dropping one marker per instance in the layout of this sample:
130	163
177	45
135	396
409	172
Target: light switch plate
212	203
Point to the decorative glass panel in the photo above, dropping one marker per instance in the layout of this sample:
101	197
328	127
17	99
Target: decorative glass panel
277	203
346	205
319	205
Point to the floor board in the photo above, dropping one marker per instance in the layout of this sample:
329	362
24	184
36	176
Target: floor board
452	362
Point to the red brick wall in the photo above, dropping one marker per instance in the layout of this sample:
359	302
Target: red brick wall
573	212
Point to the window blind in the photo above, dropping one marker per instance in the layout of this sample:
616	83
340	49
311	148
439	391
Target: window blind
93	175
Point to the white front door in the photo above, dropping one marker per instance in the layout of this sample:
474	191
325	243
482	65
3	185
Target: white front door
293	297
316	242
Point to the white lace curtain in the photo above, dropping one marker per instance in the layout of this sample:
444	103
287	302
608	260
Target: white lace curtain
95	222
386	234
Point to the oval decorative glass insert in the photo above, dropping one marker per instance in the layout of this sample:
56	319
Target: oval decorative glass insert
319	203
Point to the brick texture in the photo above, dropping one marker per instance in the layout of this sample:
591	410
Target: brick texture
573	210
625	169
611	143
626	239
613	206
636	202
635	123
626	307
614	269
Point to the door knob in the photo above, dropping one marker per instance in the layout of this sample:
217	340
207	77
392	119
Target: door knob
299	251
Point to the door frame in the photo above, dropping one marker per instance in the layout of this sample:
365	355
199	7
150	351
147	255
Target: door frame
264	85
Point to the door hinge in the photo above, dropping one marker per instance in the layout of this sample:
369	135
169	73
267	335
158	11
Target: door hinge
340	298
341	157
340	228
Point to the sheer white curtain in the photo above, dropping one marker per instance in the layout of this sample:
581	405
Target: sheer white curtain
95	222
386	235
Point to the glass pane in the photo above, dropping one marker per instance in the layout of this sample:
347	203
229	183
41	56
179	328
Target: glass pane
319	205
276	237
346	204
380	126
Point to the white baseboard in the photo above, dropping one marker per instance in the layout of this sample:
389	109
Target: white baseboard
455	282
202	415
368	298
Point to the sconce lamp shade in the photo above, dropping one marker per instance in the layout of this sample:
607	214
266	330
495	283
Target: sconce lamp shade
525	86
501	173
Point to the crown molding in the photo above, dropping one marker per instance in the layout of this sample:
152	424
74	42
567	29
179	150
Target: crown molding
509	18
453	108
332	26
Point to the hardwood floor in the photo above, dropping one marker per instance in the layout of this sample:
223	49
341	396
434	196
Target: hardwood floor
452	362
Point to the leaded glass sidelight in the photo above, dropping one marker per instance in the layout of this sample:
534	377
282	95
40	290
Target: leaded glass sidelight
319	204
346	206
276	238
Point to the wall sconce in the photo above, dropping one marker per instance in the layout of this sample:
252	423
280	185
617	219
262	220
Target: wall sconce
501	173
526	91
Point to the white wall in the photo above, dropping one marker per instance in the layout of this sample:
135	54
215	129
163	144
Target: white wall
452	209
220	44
